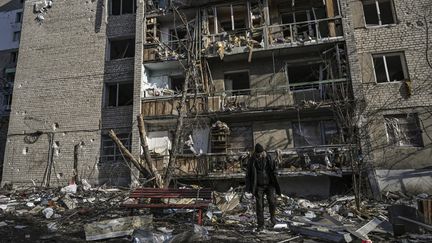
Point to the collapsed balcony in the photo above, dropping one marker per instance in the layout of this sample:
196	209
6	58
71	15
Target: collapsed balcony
325	159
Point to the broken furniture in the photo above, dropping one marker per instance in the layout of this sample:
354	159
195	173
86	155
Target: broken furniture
202	199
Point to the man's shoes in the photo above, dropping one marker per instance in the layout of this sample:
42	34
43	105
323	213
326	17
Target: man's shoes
260	228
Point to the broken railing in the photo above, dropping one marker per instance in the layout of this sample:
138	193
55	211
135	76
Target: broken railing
278	36
285	96
313	158
277	97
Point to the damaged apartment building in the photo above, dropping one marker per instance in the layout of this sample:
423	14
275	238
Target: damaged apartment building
329	87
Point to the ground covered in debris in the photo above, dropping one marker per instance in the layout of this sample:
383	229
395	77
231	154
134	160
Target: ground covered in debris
79	213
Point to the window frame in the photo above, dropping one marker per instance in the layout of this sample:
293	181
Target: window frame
125	138
16	36
236	92
376	2
405	71
321	125
18	17
121	8
109	56
107	97
397	143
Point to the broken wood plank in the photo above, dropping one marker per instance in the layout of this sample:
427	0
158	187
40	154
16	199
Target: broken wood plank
145	147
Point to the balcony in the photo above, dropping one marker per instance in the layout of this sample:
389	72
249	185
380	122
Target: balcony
278	36
312	94
322	159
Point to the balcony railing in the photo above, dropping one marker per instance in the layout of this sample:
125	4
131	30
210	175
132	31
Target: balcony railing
305	159
277	36
280	97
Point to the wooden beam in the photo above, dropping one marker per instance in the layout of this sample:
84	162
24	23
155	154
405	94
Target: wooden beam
331	14
147	158
126	153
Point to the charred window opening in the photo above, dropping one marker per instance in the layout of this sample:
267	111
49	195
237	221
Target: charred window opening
312	133
110	152
306	73
403	130
390	67
120	7
119	94
232	17
176	83
379	12
237	83
177	40
240	138
122	48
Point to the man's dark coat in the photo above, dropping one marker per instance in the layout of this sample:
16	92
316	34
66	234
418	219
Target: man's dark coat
251	173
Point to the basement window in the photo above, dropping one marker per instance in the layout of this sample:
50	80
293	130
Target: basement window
390	67
122	48
237	83
120	7
403	130
110	152
379	12
119	94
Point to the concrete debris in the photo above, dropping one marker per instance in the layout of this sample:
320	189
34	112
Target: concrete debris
98	212
114	228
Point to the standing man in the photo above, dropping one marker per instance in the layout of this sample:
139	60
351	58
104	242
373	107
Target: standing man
261	180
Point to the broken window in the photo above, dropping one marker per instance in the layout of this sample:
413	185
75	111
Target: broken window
237	83
306	73
120	7
110	152
379	12
122	48
313	133
240	138
119	94
232	17
177	40
403	130
390	67
176	83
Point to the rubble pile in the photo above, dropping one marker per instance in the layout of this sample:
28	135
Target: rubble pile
78	213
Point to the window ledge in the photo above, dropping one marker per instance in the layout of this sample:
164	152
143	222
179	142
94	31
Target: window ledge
407	147
121	59
391	82
380	26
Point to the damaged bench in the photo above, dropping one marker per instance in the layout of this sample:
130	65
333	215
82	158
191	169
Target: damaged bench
203	197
